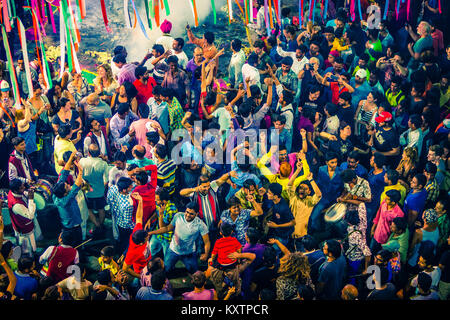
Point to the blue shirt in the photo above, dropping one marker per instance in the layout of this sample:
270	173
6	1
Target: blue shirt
415	202
360	170
332	274
360	93
376	183
330	188
147	293
68	208
121	207
25	287
241	223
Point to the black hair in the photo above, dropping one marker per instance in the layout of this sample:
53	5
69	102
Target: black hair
288	61
94	150
421	179
288	97
142	177
59	189
379	159
334	247
161	151
209	37
120	58
107	251
246	165
17	140
236	44
430	168
163	194
309	243
143	110
253	235
193	206
152	137
180	42
269	256
139	236
172	59
140	71
305	292
64	131
120	156
226	229
424	281
252	59
24	263
392	176
104	277
15	184
248	183
276	189
416	120
330	155
332	109
348	175
354	155
158	48
158	280
400	223
394	195
123	108
384	276
123	183
233	202
6	249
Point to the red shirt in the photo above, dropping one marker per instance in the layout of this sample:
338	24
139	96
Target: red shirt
147	192
335	92
137	255
144	91
225	246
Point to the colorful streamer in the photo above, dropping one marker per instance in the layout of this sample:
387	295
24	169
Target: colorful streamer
359	10
325	10
270	15
397	10
230	11
6	19
266	16
12	71
213	5
141	24
386	6
166	7
407	9
105	16
26	62
156	12
352	10
148	13
52	18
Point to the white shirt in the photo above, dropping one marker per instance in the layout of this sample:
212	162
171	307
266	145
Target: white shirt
23	211
251	72
166	41
114	69
46	255
14	174
101	142
182	59
298	65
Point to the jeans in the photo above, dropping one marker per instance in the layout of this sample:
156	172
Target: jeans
157	244
375	246
124	237
190	261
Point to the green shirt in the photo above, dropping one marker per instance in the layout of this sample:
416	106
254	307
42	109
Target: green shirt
398	243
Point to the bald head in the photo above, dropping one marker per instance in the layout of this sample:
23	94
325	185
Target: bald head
139	151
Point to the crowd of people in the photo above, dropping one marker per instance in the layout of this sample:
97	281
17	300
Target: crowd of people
321	153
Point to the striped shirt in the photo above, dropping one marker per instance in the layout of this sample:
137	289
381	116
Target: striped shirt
166	175
121	207
126	73
176	115
168	214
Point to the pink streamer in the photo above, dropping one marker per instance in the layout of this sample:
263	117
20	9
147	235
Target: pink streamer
52	18
407	9
6	16
352	10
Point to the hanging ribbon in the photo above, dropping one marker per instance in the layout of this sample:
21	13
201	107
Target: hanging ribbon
250	3
105	16
359	10
266	16
407	9
386	6
44	15
213	5
148	13
156	11
270	16
35	7
240	8
62	43
310	10
52	18
194	11
277	11
397	10
300	11
12	71
77	38
126	14
141	24
352	10
37	36
439	5
230	11
82	6
6	19
26	62
246	11
166	7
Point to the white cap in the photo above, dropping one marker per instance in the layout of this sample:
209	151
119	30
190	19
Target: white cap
362	73
4	86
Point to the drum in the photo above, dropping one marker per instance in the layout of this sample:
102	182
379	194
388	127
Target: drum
335	213
43	193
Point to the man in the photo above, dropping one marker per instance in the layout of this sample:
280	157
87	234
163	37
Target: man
177	80
158	63
156	291
166	169
187	227
166	210
146	187
205	195
236	62
250	73
394	94
385	139
435	153
94	108
121	206
158	109
284	135
286	76
22	211
144	84
97	135
22	77
20	166
95	172
177	46
64	198
332	274
282	221
63	144
330	183
424	282
362	88
399	238
298	57
259	27
141	128
422	40
59	258
117	51
196	61
176	113
413	137
388	211
165	40
127	70
376	183
263	60
120	124
120	167
391	180
356	189
206	43
353	164
416	198
432	187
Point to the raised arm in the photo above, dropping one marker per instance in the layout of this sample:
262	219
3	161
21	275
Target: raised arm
139	211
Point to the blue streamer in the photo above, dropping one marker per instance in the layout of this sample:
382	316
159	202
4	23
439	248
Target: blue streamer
359	10
386	7
325	10
398	8
141	24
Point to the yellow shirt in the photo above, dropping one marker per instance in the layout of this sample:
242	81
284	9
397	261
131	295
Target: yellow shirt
283	181
106	266
398	187
337	46
61	147
301	210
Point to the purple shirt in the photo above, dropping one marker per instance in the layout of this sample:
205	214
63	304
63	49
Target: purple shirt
207	294
126	73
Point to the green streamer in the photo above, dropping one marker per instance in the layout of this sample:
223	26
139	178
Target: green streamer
213	5
166	6
147	12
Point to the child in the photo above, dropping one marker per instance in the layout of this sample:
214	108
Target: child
225	267
106	261
200	293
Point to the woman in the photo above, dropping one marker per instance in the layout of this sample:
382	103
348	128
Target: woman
26	128
407	166
294	270
365	113
78	87
66	115
105	85
356	250
127	94
56	93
